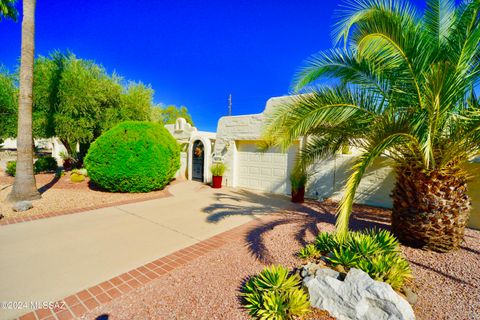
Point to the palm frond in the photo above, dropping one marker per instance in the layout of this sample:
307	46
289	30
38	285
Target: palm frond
439	20
345	65
8	10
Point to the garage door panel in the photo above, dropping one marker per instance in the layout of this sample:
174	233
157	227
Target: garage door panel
265	171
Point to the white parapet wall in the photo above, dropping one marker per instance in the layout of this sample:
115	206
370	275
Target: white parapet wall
329	178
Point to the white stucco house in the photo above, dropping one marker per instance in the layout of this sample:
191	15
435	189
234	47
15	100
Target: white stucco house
236	144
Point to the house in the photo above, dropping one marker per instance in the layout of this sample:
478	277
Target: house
236	144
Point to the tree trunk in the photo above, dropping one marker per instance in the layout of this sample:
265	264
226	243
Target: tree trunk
430	209
24	187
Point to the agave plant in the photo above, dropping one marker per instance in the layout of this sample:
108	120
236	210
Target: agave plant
400	85
374	251
274	294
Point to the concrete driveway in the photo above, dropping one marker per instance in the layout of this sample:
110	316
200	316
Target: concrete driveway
49	259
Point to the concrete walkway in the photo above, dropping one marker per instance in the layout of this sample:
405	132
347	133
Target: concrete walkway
49	259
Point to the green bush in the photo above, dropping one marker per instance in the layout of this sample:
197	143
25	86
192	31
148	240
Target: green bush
81	171
11	168
77	177
373	251
218	169
133	156
45	164
274	294
309	251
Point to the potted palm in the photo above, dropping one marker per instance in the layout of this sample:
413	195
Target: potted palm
217	169
298	180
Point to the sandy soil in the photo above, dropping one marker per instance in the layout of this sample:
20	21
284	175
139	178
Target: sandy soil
448	285
62	194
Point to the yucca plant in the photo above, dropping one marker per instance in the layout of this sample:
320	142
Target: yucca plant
274	294
401	85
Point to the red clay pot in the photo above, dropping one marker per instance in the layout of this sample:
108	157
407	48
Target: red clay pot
217	182
298	196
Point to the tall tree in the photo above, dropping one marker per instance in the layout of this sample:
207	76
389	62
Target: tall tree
8	105
76	100
405	90
169	114
24	187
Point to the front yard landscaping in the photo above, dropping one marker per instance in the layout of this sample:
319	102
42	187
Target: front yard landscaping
60	194
208	287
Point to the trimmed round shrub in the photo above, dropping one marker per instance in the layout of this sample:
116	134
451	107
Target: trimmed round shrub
133	156
45	164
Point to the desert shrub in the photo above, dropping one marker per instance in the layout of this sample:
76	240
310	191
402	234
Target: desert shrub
133	156
374	251
218	169
309	251
11	168
275	294
45	164
81	171
68	161
77	177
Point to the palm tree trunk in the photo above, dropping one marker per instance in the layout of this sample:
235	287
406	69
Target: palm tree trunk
24	187
430	209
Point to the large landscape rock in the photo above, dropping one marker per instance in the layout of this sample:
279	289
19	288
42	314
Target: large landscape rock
356	297
21	206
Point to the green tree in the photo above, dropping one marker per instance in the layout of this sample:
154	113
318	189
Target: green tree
136	101
169	114
24	186
404	90
76	100
8	105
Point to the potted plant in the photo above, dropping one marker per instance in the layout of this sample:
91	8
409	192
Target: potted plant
298	180
217	169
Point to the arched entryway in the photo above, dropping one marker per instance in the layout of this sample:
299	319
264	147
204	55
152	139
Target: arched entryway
198	161
199	158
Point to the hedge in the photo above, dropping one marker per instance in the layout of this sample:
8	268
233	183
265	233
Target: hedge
133	156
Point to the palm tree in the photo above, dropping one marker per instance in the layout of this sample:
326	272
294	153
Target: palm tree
8	10
399	85
24	187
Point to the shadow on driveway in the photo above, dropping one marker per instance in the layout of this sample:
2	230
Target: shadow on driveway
282	212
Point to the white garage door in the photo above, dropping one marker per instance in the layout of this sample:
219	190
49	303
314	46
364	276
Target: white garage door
268	171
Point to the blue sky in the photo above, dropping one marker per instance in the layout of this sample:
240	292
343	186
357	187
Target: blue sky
193	53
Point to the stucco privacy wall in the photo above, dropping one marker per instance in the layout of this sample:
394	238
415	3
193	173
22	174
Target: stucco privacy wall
329	177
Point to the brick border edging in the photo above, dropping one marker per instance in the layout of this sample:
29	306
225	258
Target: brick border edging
165	194
86	300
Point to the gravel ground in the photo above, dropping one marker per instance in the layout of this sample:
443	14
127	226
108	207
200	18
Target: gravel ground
62	194
207	288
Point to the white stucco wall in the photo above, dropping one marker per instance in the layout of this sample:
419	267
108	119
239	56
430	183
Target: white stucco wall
229	130
329	178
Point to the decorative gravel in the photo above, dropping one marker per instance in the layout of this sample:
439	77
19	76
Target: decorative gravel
208	287
60	194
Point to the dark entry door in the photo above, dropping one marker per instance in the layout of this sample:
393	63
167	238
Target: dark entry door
197	161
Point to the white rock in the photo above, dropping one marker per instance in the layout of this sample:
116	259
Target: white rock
22	206
357	297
